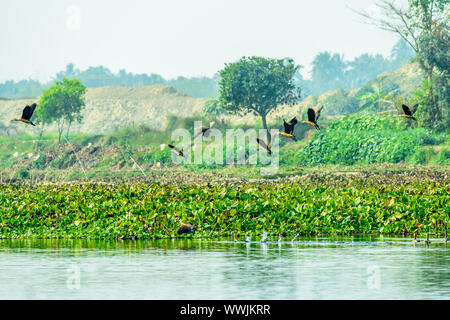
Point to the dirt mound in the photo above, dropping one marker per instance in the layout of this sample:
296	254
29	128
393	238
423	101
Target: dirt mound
108	108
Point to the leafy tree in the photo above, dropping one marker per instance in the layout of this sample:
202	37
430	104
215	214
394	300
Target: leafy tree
196	86
70	72
305	85
364	68
341	102
62	103
258	85
328	71
95	77
21	89
401	54
212	108
423	24
377	95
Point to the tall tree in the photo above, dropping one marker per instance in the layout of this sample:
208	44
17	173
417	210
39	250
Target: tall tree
364	68
70	72
258	85
62	103
328	71
424	25
401	54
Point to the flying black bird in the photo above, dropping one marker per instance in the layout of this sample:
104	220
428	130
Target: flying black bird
289	128
178	151
409	112
186	228
27	113
202	131
264	146
313	117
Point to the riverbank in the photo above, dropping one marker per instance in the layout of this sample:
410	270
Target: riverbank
313	204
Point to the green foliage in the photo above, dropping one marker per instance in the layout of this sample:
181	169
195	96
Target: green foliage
201	87
21	89
258	85
213	109
433	99
341	103
145	211
40	162
62	103
424	24
101	76
331	71
163	157
377	95
23	173
401	54
365	140
443	157
328	71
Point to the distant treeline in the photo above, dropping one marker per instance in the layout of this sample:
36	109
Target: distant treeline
100	76
329	72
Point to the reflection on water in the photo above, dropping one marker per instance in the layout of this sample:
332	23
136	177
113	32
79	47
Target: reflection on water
309	268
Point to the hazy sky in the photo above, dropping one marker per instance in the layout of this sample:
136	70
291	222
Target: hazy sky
176	37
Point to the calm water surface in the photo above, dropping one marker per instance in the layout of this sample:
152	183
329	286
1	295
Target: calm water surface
310	268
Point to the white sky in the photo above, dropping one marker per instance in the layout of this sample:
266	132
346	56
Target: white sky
177	37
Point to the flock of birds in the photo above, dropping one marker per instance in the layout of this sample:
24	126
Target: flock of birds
313	117
288	132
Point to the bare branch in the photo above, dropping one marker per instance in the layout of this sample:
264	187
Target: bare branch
389	21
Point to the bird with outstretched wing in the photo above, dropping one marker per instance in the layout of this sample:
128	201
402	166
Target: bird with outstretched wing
312	117
409	112
202	131
27	113
264	146
289	128
178	151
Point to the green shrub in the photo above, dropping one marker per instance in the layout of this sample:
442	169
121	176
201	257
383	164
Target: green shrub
39	163
443	157
366	140
23	173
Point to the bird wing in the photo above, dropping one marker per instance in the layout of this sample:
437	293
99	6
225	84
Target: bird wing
26	113
206	132
311	115
187	147
287	127
174	148
293	122
318	113
200	131
406	110
414	108
262	144
33	106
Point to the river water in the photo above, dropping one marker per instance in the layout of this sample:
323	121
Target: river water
309	268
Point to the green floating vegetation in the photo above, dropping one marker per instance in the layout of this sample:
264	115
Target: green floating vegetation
139	211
